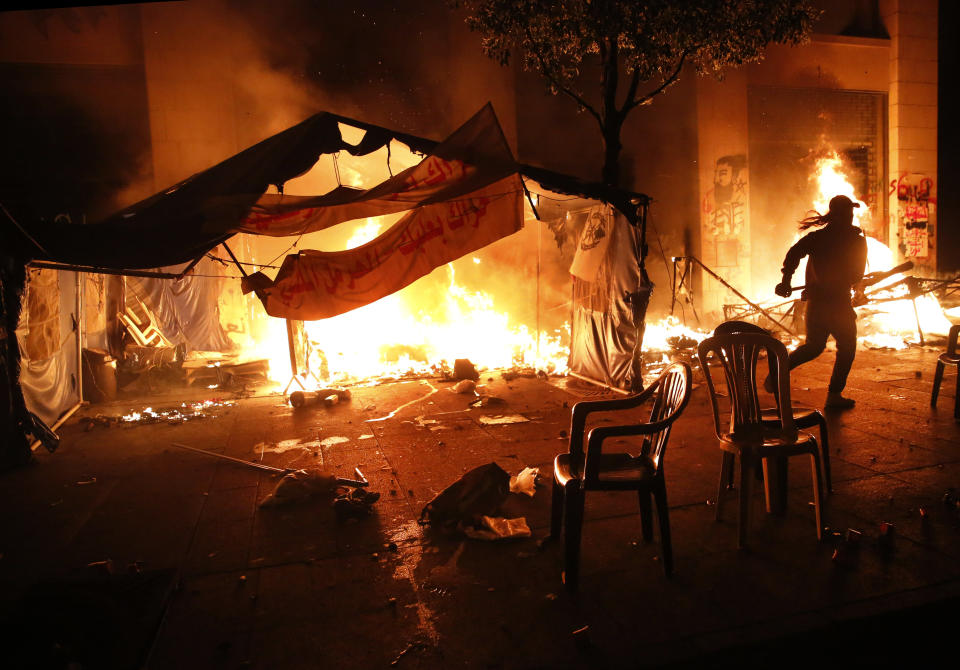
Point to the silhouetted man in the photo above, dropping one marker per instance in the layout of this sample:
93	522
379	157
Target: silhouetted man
836	257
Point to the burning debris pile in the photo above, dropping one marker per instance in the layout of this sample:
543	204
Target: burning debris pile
894	309
668	341
177	414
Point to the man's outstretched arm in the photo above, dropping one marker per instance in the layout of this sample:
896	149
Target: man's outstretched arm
790	262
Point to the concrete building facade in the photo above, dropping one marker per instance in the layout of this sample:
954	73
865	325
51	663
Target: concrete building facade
164	90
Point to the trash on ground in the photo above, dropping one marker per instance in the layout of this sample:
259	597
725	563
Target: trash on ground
430	424
488	401
498	528
284	446
847	552
330	396
525	481
464	369
465	386
356	504
479	492
510	375
500	419
280	447
301	485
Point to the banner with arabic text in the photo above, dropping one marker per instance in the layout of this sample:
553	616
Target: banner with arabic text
317	285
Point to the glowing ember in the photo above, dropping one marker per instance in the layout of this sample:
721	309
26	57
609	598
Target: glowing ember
669	334
179	414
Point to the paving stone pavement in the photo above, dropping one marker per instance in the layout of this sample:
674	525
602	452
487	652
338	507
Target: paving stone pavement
291	587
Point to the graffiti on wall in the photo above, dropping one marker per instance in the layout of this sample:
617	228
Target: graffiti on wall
725	229
725	205
916	204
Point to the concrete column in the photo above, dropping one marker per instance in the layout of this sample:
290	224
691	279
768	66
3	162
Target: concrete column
724	188
912	25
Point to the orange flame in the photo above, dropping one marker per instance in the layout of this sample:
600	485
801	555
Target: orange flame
891	324
406	334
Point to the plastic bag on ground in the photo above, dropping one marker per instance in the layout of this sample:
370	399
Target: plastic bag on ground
478	492
525	481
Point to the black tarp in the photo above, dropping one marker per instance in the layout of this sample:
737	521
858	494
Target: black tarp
188	219
180	223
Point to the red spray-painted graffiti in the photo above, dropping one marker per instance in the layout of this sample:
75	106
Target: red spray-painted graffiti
916	203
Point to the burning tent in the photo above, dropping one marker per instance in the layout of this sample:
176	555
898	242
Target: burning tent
465	193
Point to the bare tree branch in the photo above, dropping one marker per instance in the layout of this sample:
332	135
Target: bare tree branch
662	87
631	92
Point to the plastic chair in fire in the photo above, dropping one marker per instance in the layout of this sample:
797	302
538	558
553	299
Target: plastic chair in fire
142	326
949	358
586	467
747	435
803	417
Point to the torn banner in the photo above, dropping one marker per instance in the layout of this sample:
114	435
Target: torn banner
317	285
474	156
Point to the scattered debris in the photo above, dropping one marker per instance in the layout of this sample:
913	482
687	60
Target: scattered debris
330	396
410	647
488	401
847	553
91	422
301	485
510	375
481	491
466	386
356	504
498	528
251	464
500	419
464	369
525	481
430	424
288	445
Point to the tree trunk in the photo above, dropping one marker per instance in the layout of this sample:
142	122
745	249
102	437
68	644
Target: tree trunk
611	154
14	448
